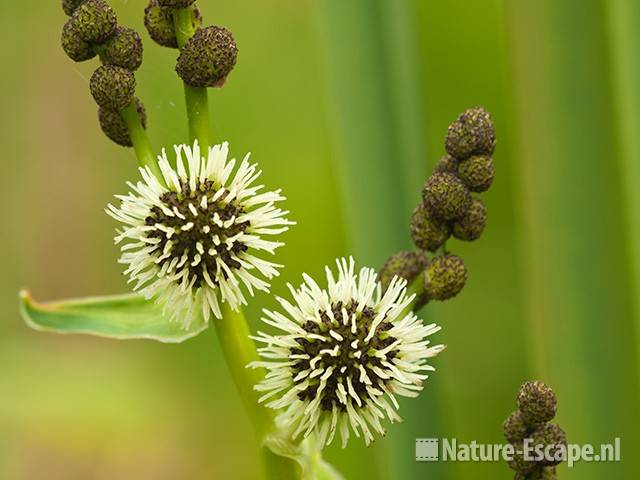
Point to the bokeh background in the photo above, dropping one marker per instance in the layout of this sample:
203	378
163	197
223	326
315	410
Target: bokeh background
345	105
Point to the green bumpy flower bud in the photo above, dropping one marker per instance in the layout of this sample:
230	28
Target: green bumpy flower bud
471	225
112	87
553	441
207	58
427	232
406	264
115	127
524	466
95	21
445	196
514	428
477	172
158	21
176	3
75	47
447	164
445	277
124	49
69	6
472	133
537	403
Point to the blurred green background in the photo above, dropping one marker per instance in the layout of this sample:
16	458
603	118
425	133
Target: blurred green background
345	105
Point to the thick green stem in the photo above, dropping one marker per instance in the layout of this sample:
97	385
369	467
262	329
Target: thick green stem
141	144
196	98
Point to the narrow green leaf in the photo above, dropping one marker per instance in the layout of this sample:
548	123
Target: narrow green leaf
123	317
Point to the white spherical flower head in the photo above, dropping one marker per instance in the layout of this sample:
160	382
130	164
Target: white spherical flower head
344	355
190	239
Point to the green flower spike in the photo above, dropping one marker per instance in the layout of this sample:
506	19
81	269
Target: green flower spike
73	45
69	6
207	58
427	232
445	277
95	21
472	133
112	87
445	196
554	440
176	3
124	49
537	402
115	127
158	21
447	164
514	428
477	172
471	225
405	264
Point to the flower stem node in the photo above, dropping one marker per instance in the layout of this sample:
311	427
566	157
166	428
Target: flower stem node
112	87
95	21
124	49
447	164
208	57
406	264
73	45
69	6
537	402
553	440
158	21
445	277
176	3
115	127
427	232
477	172
472	223
473	133
446	197
514	427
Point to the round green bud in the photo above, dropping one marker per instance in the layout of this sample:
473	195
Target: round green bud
124	49
405	264
537	403
428	233
75	47
472	133
445	196
522	464
514	428
207	58
553	441
447	164
112	87
472	223
115	127
69	6
444	278
477	172
158	21
95	21
175	3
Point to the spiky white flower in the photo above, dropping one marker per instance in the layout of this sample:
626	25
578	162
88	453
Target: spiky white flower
344	354
190	239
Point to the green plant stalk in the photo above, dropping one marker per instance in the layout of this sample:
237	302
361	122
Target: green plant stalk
141	144
196	98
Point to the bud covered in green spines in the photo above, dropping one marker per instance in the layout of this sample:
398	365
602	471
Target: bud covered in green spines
477	172
112	87
115	127
95	21
428	233
472	133
514	428
158	21
537	402
124	49
553	440
447	164
69	6
208	57
471	225
445	277
176	3
445	196
75	47
405	264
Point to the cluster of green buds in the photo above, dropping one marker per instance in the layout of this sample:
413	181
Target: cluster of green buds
449	208
537	406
